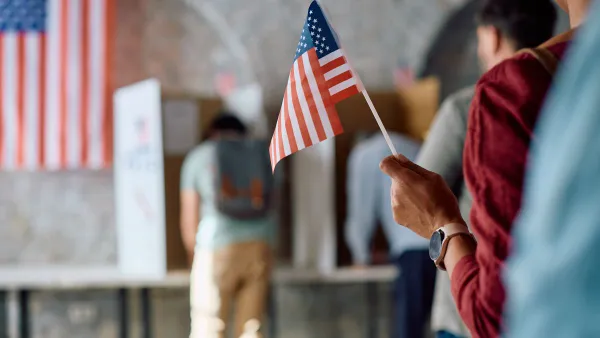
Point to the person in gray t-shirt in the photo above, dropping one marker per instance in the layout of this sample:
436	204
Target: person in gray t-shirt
442	153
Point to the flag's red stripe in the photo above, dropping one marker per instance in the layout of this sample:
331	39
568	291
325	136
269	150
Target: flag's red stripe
42	100
63	84
280	138
308	94
107	121
344	94
331	65
334	119
20	85
297	108
288	125
339	79
85	98
1	100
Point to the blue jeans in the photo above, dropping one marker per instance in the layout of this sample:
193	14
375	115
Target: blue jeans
445	334
413	293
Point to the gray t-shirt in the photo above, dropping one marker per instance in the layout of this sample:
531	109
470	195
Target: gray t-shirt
442	153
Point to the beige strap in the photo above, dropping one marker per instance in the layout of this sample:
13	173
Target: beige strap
545	57
451	230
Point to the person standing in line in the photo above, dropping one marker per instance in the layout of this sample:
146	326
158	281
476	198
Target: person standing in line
557	233
227	228
507	101
503	28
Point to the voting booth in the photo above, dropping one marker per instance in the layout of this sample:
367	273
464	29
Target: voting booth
153	132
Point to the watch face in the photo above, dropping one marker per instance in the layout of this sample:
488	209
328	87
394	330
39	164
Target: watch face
435	245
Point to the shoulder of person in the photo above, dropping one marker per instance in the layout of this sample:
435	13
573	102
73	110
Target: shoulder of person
457	104
462	96
522	70
200	152
517	85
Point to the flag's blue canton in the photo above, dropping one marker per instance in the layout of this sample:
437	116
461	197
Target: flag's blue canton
316	33
23	15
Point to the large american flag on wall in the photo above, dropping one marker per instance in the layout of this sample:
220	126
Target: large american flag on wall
55	110
320	77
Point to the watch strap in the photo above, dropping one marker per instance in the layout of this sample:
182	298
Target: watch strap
450	231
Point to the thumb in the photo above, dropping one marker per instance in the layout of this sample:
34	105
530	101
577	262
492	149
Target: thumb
405	162
395	169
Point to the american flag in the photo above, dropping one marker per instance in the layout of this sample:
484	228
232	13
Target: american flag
54	87
320	78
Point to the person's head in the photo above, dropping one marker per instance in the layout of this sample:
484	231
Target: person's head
226	125
506	26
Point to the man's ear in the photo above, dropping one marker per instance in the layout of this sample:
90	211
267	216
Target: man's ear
496	37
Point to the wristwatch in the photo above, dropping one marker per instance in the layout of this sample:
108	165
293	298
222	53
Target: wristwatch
438	244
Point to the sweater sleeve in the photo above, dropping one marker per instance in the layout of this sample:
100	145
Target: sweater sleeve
503	113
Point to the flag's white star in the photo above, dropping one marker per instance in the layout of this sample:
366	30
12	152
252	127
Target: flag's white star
305	45
318	36
309	18
315	20
318	29
327	47
312	33
310	12
323	38
322	45
313	27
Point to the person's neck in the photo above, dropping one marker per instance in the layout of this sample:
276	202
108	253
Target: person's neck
577	10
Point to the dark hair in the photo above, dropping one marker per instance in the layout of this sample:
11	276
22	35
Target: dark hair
528	23
226	122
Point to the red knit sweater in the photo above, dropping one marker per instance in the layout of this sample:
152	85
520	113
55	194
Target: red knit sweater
503	113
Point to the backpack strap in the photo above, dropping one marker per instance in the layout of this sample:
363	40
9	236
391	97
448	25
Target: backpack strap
545	57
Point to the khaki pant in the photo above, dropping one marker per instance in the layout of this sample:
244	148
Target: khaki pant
237	275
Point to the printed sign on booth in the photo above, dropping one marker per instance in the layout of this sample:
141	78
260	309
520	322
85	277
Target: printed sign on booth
139	180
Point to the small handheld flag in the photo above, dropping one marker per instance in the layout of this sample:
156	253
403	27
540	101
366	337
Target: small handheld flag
320	77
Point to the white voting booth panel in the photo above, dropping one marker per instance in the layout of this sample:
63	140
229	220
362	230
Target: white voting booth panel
313	198
139	180
154	131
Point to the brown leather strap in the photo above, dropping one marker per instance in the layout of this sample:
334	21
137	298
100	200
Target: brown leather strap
545	57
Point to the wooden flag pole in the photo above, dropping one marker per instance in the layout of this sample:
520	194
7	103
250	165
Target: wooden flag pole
379	123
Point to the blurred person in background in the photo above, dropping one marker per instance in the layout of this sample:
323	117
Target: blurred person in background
227	227
558	230
503	113
368	191
503	28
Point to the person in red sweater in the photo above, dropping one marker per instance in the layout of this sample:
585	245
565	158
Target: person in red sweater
503	113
